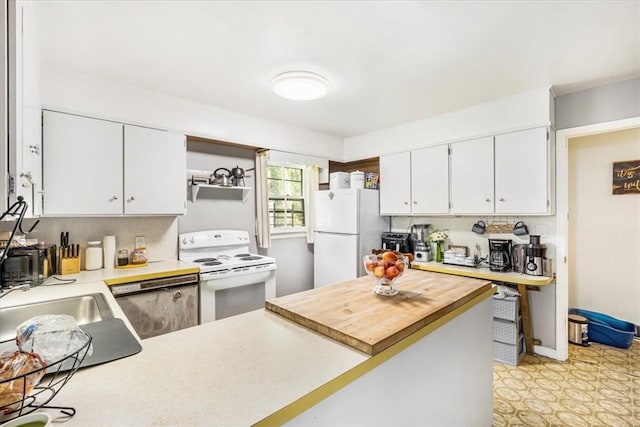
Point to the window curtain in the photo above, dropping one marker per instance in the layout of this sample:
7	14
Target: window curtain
311	185
263	234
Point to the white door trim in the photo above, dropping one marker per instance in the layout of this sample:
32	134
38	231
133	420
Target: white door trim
562	196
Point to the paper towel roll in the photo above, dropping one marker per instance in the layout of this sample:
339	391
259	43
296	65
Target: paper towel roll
109	251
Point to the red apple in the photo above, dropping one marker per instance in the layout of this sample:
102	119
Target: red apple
391	272
400	265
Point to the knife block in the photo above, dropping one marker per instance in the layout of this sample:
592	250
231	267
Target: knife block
69	265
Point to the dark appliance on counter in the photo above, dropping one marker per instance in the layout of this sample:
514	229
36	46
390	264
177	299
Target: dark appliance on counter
500	255
29	264
396	242
535	257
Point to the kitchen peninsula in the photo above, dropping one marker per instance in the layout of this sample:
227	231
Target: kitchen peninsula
260	368
522	281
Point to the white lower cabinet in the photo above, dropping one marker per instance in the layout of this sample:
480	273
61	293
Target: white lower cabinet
100	167
416	182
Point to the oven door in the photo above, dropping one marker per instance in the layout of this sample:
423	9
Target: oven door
161	310
230	293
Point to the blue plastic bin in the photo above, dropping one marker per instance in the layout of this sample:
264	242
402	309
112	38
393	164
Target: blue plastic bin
606	329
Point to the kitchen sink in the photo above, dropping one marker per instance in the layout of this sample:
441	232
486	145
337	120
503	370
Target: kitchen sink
111	339
84	308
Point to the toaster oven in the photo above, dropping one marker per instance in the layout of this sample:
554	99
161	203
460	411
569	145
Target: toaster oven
31	264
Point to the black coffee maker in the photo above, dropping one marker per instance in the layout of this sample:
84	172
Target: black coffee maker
500	255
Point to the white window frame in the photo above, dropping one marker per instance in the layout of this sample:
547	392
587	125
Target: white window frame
284	232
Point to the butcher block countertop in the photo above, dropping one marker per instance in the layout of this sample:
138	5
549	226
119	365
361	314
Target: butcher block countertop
351	313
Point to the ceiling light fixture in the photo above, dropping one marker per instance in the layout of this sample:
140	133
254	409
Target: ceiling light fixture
300	85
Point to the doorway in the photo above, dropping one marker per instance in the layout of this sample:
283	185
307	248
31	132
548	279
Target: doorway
565	255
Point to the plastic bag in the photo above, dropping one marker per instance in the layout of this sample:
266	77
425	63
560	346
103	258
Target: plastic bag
52	336
138	257
14	384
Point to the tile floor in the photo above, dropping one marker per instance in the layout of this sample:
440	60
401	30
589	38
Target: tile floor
597	386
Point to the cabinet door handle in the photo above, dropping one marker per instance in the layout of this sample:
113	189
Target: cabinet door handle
113	198
501	199
177	295
487	200
130	199
415	203
406	203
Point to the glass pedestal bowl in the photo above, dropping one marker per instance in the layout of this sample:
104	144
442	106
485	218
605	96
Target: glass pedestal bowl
385	267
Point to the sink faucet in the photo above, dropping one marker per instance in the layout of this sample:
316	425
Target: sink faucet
24	287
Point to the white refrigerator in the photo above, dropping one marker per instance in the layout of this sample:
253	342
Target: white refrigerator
347	226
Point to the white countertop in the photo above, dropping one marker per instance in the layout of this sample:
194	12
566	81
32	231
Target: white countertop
235	371
483	273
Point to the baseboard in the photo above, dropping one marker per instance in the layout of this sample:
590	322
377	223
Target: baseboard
545	351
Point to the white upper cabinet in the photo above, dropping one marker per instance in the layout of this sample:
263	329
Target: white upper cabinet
472	176
430	180
523	172
100	167
508	174
82	165
415	183
154	168
395	184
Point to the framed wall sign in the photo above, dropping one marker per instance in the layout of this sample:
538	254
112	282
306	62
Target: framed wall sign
626	177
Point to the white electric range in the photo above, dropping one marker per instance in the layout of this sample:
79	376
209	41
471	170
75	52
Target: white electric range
225	262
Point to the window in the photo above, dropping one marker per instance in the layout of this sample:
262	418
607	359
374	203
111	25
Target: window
286	197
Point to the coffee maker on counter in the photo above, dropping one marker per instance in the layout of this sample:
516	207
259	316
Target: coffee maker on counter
421	249
535	253
500	254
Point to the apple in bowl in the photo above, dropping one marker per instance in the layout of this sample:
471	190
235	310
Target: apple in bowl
385	267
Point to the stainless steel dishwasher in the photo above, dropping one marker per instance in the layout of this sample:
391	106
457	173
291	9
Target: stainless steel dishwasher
160	305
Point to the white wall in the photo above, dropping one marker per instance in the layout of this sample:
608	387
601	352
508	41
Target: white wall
92	96
615	101
604	229
523	110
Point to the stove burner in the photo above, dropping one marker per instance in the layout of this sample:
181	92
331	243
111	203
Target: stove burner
242	255
204	260
212	262
250	258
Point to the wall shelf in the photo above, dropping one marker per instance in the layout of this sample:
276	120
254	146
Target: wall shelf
195	189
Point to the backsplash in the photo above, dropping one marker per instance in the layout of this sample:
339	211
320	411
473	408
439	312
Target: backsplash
161	233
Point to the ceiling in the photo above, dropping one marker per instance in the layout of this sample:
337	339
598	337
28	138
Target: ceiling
388	62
